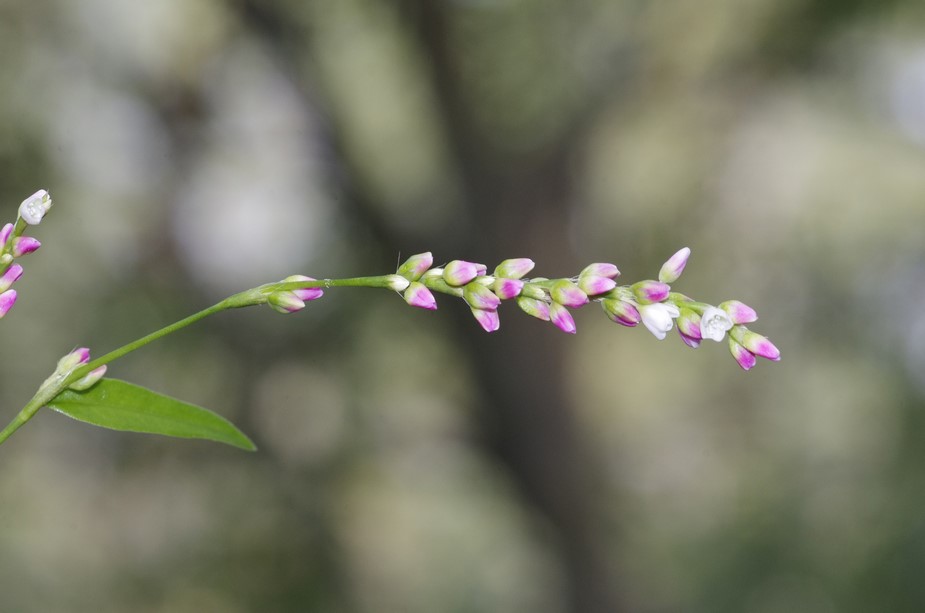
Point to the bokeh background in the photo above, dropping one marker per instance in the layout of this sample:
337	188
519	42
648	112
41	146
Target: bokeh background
408	462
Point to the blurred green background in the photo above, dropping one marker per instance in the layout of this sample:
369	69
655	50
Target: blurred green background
408	462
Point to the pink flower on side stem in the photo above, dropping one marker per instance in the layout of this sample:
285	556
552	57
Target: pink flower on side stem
5	234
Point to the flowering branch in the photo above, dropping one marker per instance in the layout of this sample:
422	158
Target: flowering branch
77	387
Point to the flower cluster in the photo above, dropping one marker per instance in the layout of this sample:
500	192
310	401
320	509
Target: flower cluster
14	245
649	302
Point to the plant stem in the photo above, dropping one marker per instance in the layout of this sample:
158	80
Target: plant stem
251	297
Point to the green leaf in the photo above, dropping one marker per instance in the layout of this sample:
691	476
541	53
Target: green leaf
124	406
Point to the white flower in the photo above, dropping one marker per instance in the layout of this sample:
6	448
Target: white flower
714	323
33	208
659	317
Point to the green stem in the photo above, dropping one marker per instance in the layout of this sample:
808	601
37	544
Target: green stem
251	297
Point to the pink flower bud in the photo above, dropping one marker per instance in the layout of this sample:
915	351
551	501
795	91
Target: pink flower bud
621	312
306	293
419	296
24	245
5	234
514	268
89	380
648	292
488	319
560	316
594	285
416	265
739	312
7	300
10	276
460	272
534	307
689	325
690	341
506	289
72	360
480	297
568	294
601	269
743	356
756	343
673	268
285	302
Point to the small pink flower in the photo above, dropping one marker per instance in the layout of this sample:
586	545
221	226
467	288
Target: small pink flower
24	245
5	234
756	343
7	300
568	294
488	319
306	293
673	268
89	380
560	316
648	292
621	312
506	289
739	313
514	268
600	269
416	265
534	307
285	302
743	356
461	272
690	341
10	277
79	356
480	297
594	285
689	326
419	296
